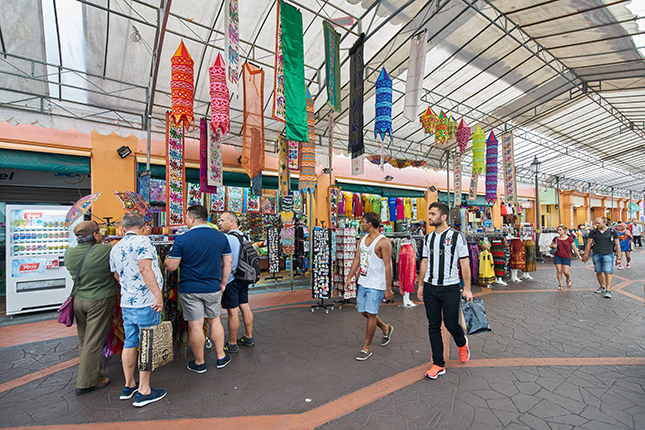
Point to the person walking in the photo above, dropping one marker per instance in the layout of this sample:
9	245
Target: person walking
235	298
373	262
444	252
135	264
637	231
94	300
564	245
603	240
204	257
625	240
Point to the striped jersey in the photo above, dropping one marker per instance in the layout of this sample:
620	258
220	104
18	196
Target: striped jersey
443	252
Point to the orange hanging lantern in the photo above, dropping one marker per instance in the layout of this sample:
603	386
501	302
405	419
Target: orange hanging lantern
429	120
181	86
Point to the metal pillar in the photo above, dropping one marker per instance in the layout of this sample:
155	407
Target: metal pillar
557	182
448	187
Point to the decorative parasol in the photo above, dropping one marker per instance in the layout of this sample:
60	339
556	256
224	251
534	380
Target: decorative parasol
479	148
80	208
220	109
441	129
181	86
429	120
462	135
134	203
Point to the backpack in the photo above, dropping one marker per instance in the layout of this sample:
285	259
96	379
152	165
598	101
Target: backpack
248	263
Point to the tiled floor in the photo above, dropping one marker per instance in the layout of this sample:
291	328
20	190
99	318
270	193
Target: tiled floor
555	360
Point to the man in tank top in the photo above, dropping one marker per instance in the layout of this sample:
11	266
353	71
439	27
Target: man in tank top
373	262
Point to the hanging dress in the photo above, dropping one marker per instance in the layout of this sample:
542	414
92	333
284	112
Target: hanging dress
499	261
530	256
473	254
518	257
400	210
349	208
407	268
486	270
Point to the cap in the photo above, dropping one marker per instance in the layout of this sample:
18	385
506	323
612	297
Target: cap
85	228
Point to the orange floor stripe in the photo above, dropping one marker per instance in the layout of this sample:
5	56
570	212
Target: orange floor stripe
39	374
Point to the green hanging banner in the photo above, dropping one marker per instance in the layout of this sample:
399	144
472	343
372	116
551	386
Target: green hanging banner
294	73
332	66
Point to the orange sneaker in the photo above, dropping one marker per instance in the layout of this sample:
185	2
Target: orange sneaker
435	371
464	352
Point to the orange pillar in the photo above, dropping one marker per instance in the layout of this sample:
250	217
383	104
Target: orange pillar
321	205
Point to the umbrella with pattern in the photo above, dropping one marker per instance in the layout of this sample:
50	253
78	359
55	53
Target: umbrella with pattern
80	208
134	203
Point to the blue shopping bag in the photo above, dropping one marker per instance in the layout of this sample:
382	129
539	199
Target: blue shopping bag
475	316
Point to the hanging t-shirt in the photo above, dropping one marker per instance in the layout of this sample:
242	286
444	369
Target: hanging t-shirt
400	211
341	204
367	203
358	205
385	213
391	202
348	204
376	204
407	207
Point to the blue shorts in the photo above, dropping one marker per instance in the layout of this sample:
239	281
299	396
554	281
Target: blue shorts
368	299
603	263
561	260
134	319
235	294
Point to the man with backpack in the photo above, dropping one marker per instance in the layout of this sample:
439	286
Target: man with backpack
604	241
246	271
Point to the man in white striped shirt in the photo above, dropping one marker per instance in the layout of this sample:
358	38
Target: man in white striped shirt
439	286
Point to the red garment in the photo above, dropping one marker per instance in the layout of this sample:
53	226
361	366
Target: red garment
407	268
502	210
518	257
358	205
400	209
564	247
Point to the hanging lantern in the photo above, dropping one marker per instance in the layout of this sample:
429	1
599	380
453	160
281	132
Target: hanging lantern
491	168
441	129
452	127
462	135
428	120
479	149
383	121
220	109
181	86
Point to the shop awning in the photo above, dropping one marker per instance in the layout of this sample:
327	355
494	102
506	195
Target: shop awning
635	207
381	191
57	163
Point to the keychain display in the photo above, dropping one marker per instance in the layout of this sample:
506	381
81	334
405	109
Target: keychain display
321	277
345	252
273	250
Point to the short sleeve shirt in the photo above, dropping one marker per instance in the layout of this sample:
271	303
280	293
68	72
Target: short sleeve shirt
392	204
234	243
376	204
124	260
563	247
358	205
603	243
201	249
437	248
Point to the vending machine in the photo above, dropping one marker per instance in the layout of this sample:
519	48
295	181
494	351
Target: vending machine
36	241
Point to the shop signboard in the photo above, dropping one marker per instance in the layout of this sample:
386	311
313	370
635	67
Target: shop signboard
508	154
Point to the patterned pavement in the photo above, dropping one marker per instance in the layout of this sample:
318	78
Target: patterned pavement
555	360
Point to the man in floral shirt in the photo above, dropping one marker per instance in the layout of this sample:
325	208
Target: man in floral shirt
135	264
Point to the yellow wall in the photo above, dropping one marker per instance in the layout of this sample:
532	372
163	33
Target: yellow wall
110	172
322	201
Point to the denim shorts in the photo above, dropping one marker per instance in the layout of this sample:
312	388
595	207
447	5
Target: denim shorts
134	319
603	263
369	300
561	260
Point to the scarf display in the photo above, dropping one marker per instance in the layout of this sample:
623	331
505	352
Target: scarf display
472	189
357	165
334	194
218	200
491	168
256	185
462	135
181	86
283	170
457	178
175	172
251	202
279	102
235	199
294	73
479	149
383	121
207	150
356	90
332	66
253	143
441	129
231	44
273	250
287	235
429	120
508	157
307	180
220	108
268	202
416	72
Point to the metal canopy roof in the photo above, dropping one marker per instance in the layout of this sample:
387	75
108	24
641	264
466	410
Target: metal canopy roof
567	77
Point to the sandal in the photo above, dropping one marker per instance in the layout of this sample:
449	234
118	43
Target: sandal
569	284
560	287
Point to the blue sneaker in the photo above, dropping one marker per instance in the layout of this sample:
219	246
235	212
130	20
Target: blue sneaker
222	362
155	395
197	368
127	392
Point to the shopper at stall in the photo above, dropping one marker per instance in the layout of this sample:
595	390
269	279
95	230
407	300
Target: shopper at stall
204	257
637	231
373	262
444	252
564	245
235	298
135	264
603	240
625	240
94	301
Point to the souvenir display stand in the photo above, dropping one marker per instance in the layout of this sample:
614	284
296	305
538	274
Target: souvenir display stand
273	254
321	268
346	243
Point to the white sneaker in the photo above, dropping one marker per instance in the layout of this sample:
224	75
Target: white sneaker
628	266
619	267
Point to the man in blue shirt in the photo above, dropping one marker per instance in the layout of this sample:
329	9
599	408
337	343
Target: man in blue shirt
204	257
236	295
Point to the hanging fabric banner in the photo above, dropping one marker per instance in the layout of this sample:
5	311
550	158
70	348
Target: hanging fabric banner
508	157
332	66
293	156
491	168
268	202
253	143
356	89
294	73
307	180
472	190
283	170
175	172
234	199
457	178
215	172
203	157
231	44
220	108
479	150
416	72
181	86
357	165
278	77
193	196
383	120
251	202
331	138
256	185
218	200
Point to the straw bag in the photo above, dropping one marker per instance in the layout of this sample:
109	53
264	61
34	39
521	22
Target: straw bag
156	346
